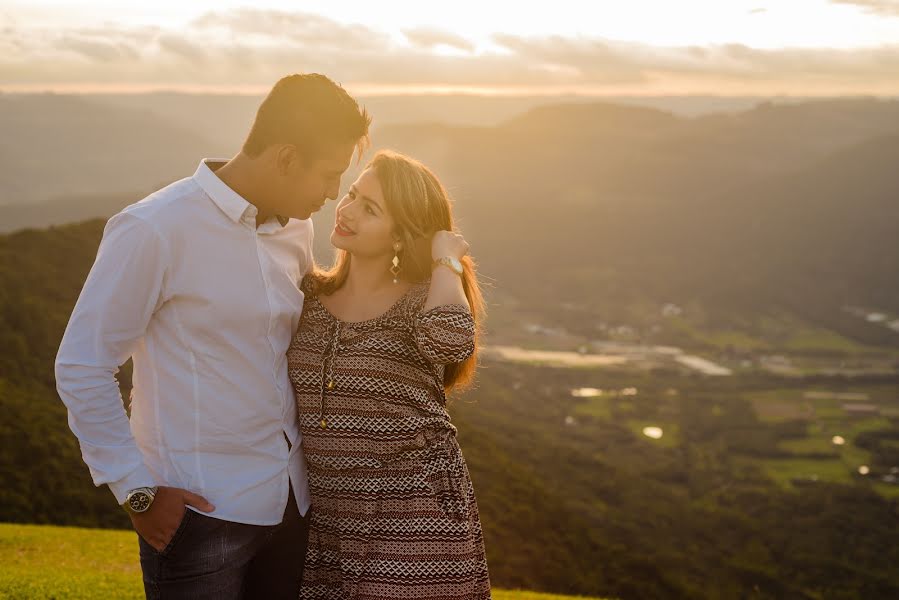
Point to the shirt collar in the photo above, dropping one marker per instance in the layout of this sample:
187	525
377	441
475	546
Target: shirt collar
230	202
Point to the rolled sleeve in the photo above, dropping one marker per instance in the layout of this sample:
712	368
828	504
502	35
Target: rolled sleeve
120	295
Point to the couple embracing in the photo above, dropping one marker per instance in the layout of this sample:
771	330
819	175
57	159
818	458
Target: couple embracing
288	433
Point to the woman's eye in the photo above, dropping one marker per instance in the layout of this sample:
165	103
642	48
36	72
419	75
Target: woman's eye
370	211
351	195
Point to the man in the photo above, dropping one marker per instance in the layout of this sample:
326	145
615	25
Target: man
199	283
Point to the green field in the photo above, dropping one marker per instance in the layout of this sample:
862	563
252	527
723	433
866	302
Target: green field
41	561
808	452
825	418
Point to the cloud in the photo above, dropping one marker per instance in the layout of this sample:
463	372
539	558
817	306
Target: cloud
256	47
598	61
96	49
427	37
182	48
887	8
305	28
785	64
587	59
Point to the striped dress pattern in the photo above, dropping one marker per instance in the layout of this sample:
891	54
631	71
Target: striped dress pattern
394	513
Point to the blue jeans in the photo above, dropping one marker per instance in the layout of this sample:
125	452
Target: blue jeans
209	558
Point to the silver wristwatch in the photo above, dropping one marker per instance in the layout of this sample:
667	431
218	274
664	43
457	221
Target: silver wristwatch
139	500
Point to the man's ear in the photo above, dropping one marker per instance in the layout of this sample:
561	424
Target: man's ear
287	159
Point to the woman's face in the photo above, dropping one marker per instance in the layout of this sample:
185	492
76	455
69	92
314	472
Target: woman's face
363	226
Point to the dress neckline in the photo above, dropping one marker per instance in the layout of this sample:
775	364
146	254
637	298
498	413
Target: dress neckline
383	315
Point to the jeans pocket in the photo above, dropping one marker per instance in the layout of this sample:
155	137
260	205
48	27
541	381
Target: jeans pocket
179	533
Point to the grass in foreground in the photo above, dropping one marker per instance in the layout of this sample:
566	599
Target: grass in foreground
47	562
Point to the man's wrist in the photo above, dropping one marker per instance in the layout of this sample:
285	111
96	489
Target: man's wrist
139	477
139	500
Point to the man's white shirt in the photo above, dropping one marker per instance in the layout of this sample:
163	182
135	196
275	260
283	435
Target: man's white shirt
206	304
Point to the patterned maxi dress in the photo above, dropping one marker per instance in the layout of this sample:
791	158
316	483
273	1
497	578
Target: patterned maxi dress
393	507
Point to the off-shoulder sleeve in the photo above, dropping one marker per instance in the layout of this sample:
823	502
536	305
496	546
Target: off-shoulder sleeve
445	334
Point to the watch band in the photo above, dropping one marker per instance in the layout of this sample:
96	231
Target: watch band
448	261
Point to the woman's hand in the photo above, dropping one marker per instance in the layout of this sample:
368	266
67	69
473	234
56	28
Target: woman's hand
446	286
448	243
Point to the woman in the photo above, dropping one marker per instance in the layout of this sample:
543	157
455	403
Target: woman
384	335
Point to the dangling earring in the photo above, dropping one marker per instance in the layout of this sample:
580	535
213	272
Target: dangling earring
395	269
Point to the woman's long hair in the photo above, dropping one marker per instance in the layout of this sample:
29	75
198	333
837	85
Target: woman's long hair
420	207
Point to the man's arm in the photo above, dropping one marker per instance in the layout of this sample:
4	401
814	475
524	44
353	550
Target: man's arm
121	293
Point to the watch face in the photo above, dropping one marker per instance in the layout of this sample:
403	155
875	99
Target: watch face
457	266
139	501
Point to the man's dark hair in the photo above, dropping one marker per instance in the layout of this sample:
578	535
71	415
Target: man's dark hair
311	112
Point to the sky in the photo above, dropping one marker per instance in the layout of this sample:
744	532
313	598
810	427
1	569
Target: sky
639	47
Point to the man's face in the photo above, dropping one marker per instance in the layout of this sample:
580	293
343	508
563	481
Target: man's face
309	183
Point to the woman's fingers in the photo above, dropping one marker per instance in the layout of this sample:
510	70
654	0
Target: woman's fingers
449	243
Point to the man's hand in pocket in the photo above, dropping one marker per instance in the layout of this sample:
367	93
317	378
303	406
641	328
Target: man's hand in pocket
160	522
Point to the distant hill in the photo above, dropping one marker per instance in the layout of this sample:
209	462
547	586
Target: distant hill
740	223
832	226
14	217
63	147
780	206
626	164
226	117
57	146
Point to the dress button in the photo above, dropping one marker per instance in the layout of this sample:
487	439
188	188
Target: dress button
331	385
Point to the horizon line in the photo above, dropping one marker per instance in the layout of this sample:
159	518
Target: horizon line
373	90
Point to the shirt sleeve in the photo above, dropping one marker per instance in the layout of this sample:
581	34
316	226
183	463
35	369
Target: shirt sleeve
121	293
445	334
